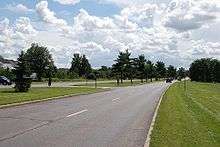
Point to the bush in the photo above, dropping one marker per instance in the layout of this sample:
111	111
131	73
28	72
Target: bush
22	85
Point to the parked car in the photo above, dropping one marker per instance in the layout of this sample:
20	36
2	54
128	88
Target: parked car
169	80
5	81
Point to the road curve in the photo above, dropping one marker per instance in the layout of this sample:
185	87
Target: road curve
117	118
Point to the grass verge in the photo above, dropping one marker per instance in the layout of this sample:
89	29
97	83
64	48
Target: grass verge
9	96
188	118
113	83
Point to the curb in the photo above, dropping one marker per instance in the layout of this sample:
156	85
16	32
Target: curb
147	142
48	99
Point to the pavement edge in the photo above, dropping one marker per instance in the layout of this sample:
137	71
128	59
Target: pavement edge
51	98
147	142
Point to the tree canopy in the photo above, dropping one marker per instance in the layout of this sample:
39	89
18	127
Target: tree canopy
40	60
80	65
205	70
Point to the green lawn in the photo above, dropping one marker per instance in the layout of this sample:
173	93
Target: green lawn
113	83
8	96
190	119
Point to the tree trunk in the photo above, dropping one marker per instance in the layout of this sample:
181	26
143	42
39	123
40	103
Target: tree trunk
117	81
142	81
131	81
121	78
151	79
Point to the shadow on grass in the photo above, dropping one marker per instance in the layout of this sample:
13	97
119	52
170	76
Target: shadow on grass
10	91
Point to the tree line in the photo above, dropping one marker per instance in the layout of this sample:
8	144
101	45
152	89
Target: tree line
205	70
37	59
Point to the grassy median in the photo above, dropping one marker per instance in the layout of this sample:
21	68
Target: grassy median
188	118
114	83
9	96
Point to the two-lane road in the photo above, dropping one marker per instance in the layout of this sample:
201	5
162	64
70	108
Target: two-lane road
116	118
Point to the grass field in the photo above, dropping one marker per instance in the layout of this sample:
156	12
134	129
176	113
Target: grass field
188	119
113	83
8	96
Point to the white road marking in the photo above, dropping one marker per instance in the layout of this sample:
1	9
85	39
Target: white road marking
117	99
77	113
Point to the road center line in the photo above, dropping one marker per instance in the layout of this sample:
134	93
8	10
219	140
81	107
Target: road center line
117	99
77	113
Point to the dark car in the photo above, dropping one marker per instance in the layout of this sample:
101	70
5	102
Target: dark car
5	81
169	80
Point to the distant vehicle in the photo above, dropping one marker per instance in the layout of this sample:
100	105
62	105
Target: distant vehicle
169	80
5	81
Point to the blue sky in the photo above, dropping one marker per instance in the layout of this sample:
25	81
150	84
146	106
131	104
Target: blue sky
176	32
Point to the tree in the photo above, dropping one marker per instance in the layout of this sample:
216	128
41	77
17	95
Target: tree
76	64
40	59
150	70
80	65
9	73
171	71
22	71
181	73
215	70
131	67
116	71
160	70
124	63
205	70
141	68
104	72
85	67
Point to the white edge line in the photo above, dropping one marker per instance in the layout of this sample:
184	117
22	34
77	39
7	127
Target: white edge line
77	113
147	142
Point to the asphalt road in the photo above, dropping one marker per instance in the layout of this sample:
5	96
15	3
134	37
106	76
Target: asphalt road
117	118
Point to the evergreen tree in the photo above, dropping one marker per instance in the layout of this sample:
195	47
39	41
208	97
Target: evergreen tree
150	70
124	63
22	70
160	70
181	73
141	68
76	64
171	72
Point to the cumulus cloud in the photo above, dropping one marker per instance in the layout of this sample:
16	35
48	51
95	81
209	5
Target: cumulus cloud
143	29
84	21
19	8
185	15
67	2
124	3
14	38
49	17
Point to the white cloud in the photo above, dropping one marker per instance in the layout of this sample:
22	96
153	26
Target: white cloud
84	21
23	25
139	28
185	15
14	38
125	3
19	8
67	2
49	17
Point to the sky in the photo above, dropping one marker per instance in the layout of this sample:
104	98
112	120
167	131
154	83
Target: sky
173	31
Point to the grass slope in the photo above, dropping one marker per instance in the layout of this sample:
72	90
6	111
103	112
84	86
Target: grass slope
188	119
8	96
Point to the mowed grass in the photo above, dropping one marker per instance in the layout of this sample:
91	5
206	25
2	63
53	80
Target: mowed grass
188	119
9	96
114	83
